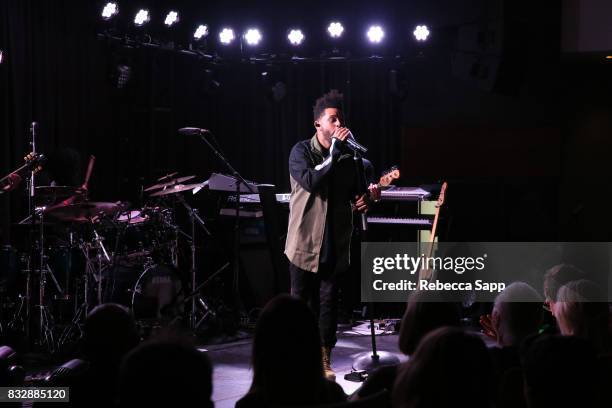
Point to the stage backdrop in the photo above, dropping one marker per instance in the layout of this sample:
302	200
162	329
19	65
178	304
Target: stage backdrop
507	126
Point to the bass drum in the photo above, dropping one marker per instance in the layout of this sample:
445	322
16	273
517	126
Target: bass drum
157	294
152	291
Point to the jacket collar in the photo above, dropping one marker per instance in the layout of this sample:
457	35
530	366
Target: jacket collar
316	147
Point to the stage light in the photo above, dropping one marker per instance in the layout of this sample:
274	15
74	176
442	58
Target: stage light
421	33
110	10
375	34
201	32
226	36
1	56
335	29
252	36
295	37
142	17
171	18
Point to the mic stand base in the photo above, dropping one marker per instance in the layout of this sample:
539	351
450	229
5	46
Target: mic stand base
369	362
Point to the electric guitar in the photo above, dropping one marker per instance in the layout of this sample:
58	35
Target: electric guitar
388	177
33	162
426	273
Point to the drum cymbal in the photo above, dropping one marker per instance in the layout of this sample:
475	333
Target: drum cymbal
58	190
81	212
178	188
169	183
168	176
47	195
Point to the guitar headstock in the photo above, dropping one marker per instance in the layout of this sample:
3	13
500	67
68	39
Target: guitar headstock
442	195
34	160
389	176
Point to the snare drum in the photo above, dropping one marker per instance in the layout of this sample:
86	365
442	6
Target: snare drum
133	217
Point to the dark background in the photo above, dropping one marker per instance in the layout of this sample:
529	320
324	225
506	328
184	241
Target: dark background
520	130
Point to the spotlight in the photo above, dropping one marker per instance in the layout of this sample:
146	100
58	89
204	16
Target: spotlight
201	32
1	56
252	36
110	10
171	18
295	37
142	17
335	29
421	33
226	36
375	34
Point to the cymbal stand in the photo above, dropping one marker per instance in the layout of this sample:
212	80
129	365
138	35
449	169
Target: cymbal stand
46	323
100	245
196	300
81	313
21	317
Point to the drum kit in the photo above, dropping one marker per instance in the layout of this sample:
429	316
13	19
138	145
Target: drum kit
80	253
84	253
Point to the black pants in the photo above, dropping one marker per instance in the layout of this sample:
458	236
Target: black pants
320	291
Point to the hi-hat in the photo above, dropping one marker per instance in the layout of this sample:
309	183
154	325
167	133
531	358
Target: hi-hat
178	188
169	183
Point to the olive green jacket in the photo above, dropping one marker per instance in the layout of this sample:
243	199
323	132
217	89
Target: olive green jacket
310	178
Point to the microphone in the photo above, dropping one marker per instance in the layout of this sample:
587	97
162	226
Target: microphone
352	144
193	131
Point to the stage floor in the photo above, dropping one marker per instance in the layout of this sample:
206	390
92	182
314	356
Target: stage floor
232	362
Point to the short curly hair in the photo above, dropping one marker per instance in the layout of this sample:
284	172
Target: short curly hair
332	99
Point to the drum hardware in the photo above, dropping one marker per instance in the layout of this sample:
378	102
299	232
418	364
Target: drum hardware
195	295
46	322
21	315
94	267
196	300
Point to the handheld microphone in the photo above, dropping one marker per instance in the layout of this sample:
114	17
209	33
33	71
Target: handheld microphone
352	144
193	131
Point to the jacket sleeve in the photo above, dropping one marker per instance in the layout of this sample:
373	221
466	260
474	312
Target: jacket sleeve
369	172
302	170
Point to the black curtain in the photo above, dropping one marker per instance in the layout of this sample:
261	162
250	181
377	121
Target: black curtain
59	73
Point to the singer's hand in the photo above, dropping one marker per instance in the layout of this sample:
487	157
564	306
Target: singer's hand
374	192
362	204
341	133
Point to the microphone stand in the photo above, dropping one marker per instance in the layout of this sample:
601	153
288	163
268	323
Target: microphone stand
239	181
368	361
31	263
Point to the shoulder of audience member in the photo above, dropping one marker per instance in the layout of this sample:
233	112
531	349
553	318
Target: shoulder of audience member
335	393
381	379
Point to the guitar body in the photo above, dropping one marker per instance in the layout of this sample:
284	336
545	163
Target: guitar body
425	273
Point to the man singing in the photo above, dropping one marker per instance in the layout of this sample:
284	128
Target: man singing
324	182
